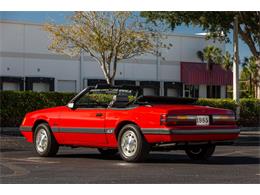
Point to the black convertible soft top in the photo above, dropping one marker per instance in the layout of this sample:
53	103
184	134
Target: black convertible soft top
165	100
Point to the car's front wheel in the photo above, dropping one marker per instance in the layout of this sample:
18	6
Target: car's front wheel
200	152
132	145
44	141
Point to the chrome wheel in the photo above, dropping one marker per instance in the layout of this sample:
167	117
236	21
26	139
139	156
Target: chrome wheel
41	140
129	143
196	150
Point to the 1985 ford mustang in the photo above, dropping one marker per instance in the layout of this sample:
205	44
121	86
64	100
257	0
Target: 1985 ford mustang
119	119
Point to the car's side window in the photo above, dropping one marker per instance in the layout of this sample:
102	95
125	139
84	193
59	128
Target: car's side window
94	100
104	98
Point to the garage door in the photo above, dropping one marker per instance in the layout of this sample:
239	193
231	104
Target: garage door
172	92
41	87
149	91
11	86
66	85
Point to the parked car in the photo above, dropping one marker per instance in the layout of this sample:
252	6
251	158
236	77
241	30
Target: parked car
119	119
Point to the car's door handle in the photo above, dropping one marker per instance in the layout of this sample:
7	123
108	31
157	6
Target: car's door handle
99	114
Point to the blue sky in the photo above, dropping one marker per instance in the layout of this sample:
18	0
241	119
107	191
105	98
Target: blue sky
62	17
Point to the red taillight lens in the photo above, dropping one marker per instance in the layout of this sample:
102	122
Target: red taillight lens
163	119
223	119
177	119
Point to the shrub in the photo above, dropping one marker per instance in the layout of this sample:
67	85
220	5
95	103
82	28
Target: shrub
15	104
249	109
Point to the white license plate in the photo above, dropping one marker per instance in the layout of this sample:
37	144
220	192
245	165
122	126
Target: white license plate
202	120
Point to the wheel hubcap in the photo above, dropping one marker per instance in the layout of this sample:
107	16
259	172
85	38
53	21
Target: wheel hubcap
41	140
196	150
129	143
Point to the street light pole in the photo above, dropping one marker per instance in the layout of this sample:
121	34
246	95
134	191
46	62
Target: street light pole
236	65
81	61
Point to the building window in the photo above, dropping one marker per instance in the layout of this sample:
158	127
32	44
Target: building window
213	91
191	91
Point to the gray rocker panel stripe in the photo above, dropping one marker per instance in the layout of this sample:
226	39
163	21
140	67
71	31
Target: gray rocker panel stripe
80	130
189	132
25	128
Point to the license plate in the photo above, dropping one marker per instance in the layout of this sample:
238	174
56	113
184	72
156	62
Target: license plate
202	120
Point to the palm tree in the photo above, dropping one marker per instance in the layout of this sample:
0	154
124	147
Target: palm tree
210	54
251	69
227	61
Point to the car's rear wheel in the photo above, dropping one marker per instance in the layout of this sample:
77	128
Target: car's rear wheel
200	152
44	141
107	152
132	145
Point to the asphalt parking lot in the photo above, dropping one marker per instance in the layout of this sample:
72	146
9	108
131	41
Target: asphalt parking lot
230	164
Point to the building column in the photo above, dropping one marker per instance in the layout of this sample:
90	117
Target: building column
161	88
202	91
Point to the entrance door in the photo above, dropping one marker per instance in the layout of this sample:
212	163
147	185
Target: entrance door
172	92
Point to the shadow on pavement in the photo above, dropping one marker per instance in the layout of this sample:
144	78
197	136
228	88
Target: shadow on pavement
176	158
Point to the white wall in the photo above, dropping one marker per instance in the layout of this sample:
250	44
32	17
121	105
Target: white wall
24	51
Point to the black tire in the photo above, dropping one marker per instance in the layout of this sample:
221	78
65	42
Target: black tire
52	146
200	152
142	148
107	152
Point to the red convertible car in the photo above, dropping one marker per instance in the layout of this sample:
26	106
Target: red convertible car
119	119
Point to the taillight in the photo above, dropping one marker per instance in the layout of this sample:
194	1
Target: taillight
223	119
163	119
177	119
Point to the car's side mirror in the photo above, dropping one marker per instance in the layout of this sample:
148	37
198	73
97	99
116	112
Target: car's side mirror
71	105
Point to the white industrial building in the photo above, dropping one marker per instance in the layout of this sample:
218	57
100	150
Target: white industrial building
27	64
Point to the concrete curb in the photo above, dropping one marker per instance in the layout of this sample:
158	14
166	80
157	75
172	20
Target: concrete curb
249	129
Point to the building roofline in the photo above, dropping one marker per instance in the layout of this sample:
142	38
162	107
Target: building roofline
41	24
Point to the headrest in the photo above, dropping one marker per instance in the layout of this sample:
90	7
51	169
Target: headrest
120	98
119	101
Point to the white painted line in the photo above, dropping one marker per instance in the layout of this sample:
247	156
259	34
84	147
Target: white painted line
31	159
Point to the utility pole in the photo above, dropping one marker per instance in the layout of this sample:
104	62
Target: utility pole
81	61
236	66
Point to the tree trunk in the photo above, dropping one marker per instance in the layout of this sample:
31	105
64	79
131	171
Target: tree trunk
250	85
257	91
110	81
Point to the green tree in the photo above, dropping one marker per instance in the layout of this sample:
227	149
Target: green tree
218	24
210	54
250	73
108	37
227	60
213	55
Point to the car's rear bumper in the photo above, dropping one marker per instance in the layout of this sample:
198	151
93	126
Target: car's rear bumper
190	135
189	131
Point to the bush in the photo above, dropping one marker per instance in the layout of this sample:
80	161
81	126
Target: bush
15	104
249	109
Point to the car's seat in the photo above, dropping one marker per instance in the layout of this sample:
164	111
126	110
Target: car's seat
119	101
